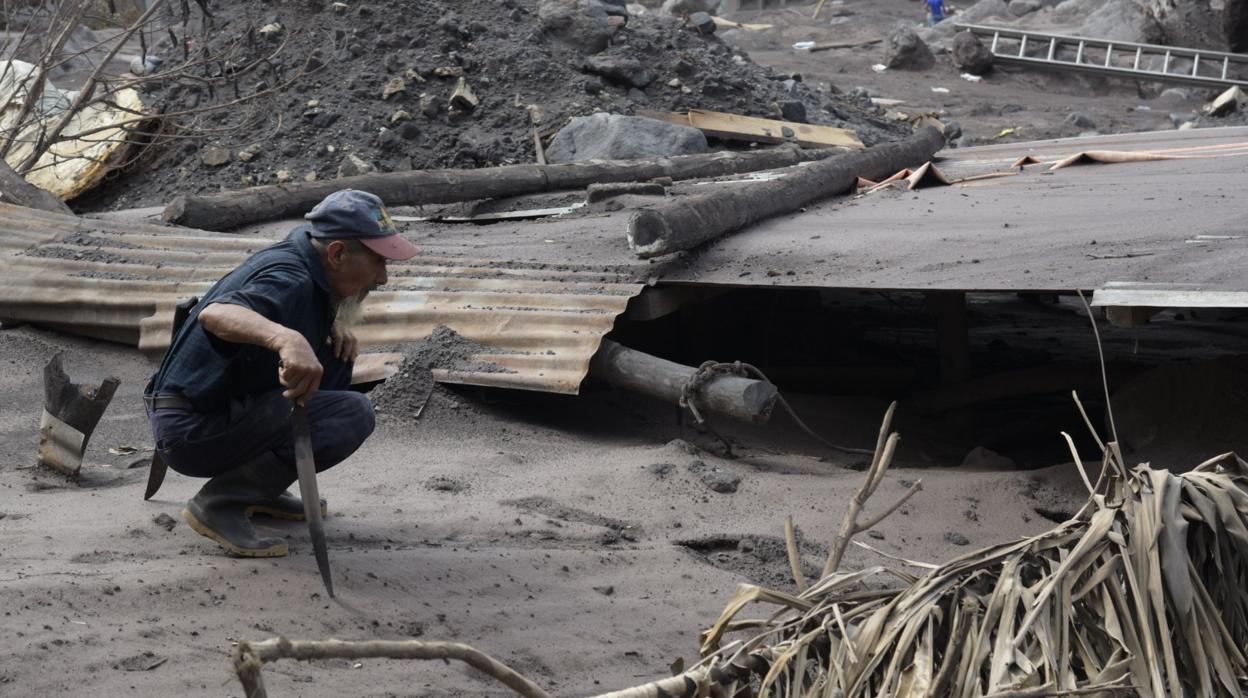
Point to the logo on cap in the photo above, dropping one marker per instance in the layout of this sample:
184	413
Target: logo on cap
384	221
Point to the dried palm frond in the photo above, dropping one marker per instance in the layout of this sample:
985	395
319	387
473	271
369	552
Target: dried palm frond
1144	591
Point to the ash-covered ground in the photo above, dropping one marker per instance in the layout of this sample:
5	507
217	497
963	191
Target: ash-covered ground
383	71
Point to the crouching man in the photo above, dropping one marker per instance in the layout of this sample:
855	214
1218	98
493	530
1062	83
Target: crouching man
274	332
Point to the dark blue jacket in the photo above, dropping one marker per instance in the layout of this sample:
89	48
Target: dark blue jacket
285	283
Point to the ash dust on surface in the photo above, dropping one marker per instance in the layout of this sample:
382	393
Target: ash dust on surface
412	389
539	531
498	47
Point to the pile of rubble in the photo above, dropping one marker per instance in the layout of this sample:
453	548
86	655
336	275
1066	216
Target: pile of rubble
420	84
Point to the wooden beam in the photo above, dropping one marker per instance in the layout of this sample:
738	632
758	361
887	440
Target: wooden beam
952	338
1130	315
754	130
732	396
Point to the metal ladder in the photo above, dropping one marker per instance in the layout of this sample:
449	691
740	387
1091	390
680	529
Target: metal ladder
1113	58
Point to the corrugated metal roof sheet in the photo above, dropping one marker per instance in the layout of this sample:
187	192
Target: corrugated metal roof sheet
120	281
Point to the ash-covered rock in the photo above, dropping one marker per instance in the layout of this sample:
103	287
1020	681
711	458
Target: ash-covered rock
614	137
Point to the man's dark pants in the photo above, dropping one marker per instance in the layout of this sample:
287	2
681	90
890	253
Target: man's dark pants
210	444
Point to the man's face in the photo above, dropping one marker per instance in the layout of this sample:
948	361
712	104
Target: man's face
353	270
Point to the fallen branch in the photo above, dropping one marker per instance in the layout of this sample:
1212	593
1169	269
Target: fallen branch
885	447
249	657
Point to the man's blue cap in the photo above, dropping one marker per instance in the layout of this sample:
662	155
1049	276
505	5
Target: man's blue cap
359	215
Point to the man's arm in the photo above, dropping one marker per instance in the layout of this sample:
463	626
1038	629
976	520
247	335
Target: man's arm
300	370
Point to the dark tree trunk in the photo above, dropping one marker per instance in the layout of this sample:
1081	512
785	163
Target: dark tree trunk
685	223
229	210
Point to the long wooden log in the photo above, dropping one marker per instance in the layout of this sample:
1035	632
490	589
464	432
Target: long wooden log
741	398
232	209
687	222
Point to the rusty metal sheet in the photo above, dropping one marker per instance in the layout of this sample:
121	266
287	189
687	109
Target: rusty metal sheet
120	281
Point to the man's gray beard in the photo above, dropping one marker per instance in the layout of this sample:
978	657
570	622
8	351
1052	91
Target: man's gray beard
350	312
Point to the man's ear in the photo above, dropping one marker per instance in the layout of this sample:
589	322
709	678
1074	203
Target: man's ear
336	252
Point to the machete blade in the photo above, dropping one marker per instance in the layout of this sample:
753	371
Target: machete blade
155	475
305	465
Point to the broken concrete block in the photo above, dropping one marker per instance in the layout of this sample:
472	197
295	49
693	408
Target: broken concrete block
1228	102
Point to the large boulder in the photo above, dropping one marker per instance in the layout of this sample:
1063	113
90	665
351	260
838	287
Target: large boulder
906	51
617	137
584	24
970	55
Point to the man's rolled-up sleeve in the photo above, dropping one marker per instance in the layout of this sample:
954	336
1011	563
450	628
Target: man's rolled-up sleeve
276	292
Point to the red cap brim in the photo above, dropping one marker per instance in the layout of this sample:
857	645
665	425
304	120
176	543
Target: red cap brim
394	247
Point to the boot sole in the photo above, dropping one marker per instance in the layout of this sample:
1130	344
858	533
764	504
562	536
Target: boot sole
280	550
273	513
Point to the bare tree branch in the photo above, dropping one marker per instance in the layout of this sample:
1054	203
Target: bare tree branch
885	447
250	657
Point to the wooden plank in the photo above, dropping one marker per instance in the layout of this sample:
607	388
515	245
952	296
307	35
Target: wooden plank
755	130
1130	315
729	24
845	44
1163	296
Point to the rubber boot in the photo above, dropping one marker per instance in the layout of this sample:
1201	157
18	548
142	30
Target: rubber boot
219	511
277	503
285	506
